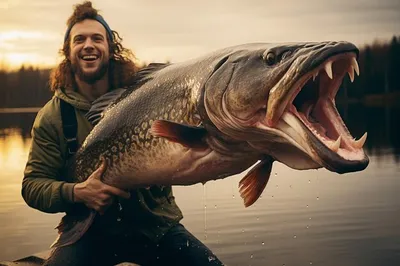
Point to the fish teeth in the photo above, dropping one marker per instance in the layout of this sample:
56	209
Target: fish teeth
328	69
315	75
335	146
358	144
354	64
351	73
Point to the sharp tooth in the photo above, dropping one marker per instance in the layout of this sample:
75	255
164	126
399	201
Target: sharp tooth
335	146
328	69
351	73
360	143
355	65
315	75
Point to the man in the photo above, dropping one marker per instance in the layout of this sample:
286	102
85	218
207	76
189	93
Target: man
141	226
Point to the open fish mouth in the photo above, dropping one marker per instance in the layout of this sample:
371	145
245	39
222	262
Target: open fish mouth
314	122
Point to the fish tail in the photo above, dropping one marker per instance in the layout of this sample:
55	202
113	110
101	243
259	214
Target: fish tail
72	228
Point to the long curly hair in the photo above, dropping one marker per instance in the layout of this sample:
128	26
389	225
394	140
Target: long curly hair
121	66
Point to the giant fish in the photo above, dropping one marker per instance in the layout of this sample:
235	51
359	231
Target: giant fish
219	114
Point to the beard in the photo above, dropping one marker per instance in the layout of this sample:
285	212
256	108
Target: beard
91	77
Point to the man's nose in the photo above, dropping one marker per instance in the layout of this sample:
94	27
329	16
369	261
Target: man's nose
88	44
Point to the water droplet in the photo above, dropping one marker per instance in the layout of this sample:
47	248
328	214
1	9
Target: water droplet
309	181
290	186
294	236
309	218
307	205
277	186
272	196
242	230
187	243
205	207
276	174
211	258
310	262
258	218
317	198
215	206
251	256
307	226
262	243
233	196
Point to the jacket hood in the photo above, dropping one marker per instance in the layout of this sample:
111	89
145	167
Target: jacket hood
73	98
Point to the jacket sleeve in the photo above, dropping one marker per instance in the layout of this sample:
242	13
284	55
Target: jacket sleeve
42	185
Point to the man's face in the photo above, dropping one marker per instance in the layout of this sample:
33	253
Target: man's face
89	52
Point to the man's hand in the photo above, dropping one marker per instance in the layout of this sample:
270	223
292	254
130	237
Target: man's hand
95	194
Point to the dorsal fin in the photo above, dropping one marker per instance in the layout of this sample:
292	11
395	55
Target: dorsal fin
109	99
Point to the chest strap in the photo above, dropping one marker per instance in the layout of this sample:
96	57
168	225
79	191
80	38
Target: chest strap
70	127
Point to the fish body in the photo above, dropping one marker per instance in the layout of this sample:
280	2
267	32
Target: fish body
219	114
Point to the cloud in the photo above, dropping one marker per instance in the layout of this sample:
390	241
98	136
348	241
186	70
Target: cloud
177	29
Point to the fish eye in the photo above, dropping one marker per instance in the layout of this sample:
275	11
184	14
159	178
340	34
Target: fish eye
270	58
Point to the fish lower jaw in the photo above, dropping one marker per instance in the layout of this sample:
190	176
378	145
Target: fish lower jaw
328	129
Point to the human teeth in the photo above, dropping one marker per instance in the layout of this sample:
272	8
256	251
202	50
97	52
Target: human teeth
89	57
328	69
335	146
351	73
360	143
355	65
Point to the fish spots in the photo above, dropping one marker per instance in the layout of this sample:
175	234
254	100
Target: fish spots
141	135
137	130
120	146
173	114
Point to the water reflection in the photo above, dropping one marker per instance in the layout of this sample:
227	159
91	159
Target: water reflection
381	123
302	217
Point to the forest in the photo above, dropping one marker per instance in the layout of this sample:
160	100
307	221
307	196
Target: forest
378	83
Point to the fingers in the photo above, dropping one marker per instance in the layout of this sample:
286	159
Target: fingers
101	205
99	171
117	192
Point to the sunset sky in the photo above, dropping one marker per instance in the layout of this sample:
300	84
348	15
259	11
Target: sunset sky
31	31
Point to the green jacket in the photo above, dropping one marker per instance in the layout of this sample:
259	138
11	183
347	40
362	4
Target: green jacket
148	211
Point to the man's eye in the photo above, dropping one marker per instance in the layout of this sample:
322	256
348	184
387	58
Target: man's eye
98	39
78	39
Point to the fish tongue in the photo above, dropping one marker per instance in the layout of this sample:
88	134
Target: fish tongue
252	185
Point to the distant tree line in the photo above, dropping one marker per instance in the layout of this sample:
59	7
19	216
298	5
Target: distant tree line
379	71
379	67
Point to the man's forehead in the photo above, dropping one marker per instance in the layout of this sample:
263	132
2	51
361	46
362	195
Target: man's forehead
88	26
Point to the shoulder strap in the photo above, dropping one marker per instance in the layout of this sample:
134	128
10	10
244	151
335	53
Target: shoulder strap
70	127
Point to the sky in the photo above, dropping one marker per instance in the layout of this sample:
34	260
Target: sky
31	31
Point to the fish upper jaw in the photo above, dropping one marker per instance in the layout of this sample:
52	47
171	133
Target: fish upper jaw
309	110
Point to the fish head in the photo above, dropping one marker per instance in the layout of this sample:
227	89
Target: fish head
280	99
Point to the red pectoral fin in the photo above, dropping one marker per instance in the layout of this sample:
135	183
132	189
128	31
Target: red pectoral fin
188	136
252	185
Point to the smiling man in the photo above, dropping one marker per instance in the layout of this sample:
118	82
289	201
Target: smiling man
141	226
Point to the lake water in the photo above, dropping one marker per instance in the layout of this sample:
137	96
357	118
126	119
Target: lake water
310	217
